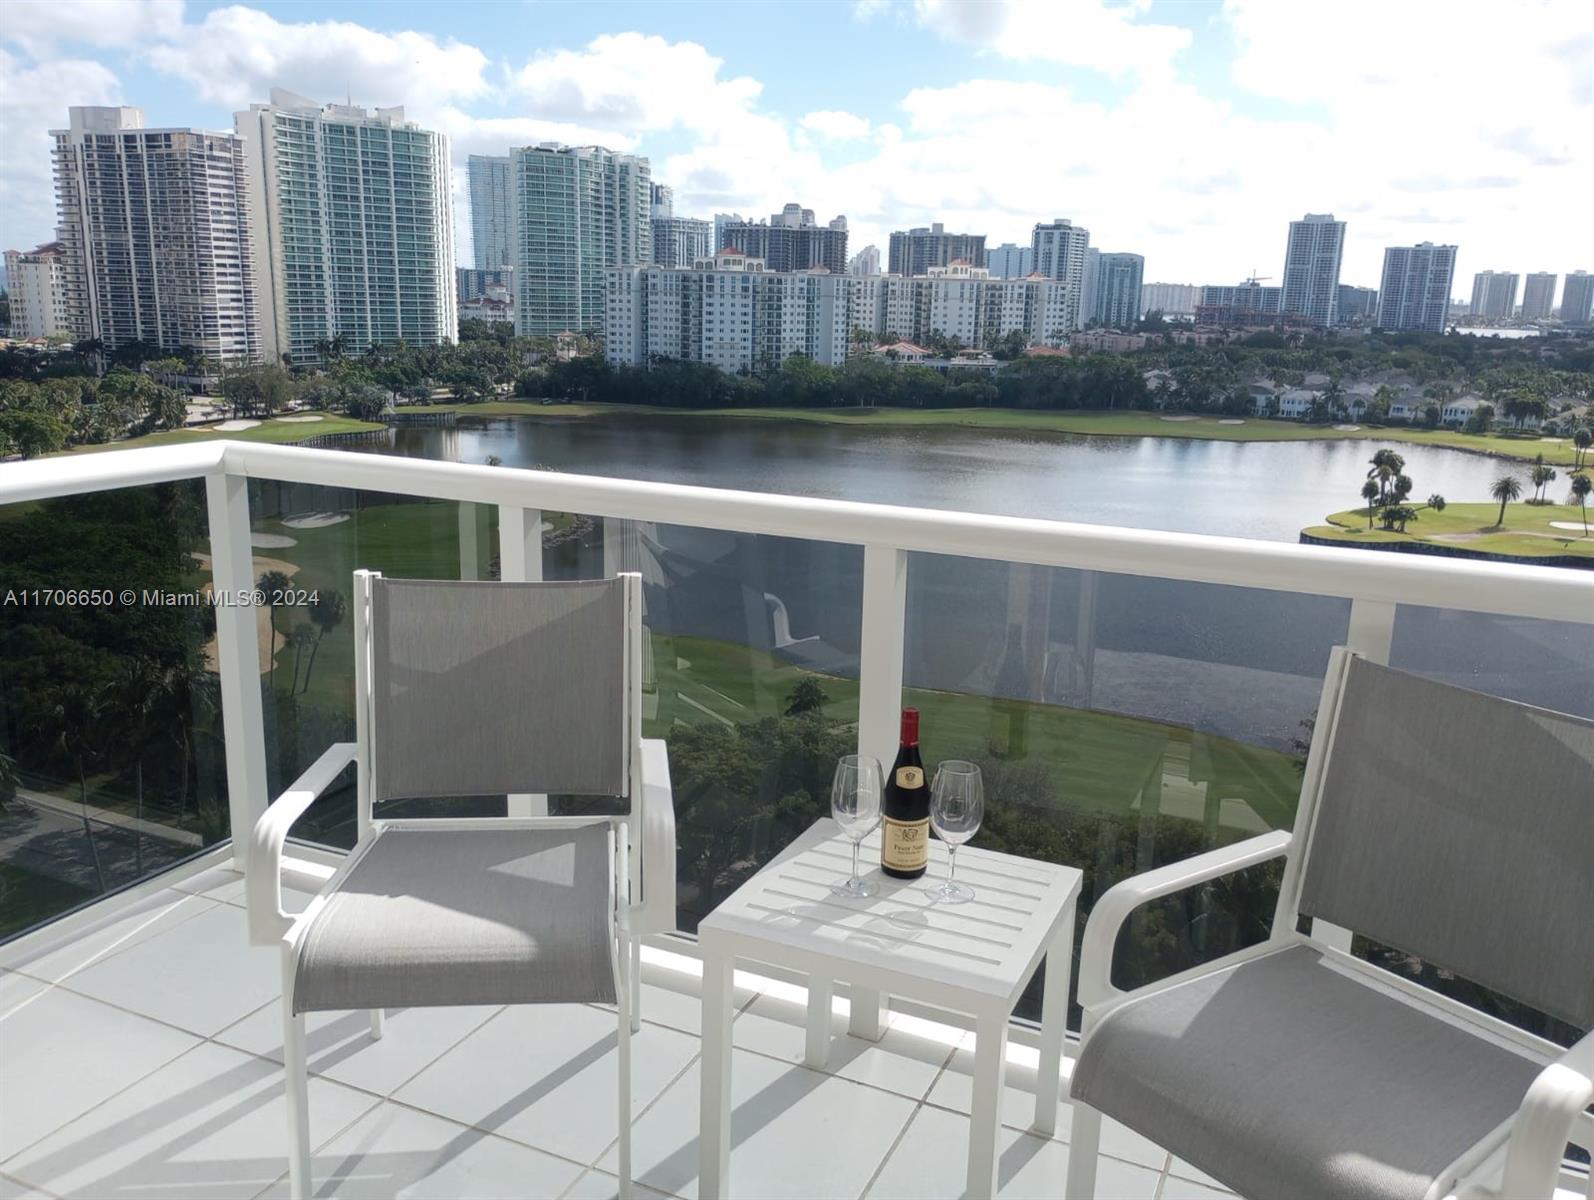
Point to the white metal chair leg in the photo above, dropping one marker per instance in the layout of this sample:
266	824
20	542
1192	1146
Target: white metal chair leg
636	984
626	1023
296	1085
376	1023
1084	1140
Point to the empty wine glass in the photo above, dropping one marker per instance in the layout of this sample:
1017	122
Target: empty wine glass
855	803
957	805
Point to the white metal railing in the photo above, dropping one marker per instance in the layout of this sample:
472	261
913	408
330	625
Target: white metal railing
1374	583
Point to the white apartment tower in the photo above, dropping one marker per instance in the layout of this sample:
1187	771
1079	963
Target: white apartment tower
1057	252
966	303
1414	293
355	227
578	211
487	176
1494	294
1311	268
1577	298
35	280
1538	296
154	235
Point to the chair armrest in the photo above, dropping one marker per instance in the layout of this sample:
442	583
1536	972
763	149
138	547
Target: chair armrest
1543	1124
1118	901
263	866
654	865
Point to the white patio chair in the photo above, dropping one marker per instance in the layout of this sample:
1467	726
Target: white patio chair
1445	824
480	689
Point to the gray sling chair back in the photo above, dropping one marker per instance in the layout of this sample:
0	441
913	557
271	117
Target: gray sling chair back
1448	825
480	689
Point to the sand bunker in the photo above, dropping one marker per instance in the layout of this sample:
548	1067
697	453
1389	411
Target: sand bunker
1181	418
234	426
315	520
1575	526
272	541
1231	421
1348	428
304	417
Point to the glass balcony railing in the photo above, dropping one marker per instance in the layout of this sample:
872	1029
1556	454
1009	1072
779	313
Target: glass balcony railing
1133	698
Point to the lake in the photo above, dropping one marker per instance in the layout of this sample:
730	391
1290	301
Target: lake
1266	490
1237	662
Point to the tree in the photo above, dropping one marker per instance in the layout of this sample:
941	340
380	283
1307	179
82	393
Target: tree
1370	494
1396	515
1386	469
326	614
1505	489
806	696
273	584
1542	475
1581	441
31	433
1581	486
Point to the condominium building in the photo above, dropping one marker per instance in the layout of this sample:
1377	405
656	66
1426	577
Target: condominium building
1170	299
1577	298
865	262
1355	305
729	310
1057	251
154	235
1538	295
966	303
1414	292
1311	268
917	250
791	240
36	284
680	241
579	210
1494	294
1010	261
355	228
1247	303
661	201
721	220
471	283
1087	285
1115	301
488	178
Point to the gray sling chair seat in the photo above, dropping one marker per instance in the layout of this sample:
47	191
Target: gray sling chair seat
1448	825
480	689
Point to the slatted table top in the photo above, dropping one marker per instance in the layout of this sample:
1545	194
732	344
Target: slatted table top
989	945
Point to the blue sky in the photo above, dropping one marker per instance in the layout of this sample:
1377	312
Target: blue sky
1190	131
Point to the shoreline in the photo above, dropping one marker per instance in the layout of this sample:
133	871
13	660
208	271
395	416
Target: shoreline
1466	530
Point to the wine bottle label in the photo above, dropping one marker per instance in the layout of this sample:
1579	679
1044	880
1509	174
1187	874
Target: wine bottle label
910	777
905	845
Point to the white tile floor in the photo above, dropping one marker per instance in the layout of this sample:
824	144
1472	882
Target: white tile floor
141	1060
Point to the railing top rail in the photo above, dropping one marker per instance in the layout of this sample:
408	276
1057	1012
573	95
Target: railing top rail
1506	588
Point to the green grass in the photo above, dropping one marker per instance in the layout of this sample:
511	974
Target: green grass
1097	423
272	430
1527	532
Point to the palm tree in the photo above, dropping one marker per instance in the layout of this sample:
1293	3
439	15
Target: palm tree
273	584
1370	494
301	637
1582	485
1386	468
326	614
1505	489
1581	441
1542	476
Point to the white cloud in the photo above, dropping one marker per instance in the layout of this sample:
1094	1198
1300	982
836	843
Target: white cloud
1092	34
837	126
34	102
236	55
38	25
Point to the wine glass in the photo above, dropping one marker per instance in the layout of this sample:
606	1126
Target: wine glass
855	803
957	805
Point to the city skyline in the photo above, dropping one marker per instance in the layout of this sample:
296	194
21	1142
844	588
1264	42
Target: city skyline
1231	140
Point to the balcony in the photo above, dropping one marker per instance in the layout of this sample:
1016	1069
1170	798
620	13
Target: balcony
1135	697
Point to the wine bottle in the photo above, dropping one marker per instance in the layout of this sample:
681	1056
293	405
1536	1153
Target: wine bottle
905	827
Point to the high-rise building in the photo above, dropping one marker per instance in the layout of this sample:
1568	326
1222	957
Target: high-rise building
472	283
1058	248
681	241
1247	303
1116	302
917	250
1414	291
865	262
1355	305
966	303
488	179
579	210
154	234
1170	299
661	198
354	234
791	240
1010	261
727	310
1494	295
36	284
721	220
1577	298
1538	296
1311	268
1087	285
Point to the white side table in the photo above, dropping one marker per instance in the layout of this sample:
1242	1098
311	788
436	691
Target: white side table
975	957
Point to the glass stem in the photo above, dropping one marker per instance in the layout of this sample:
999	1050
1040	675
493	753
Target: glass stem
855	862
951	863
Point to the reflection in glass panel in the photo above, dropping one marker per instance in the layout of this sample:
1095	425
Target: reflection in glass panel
111	753
308	542
1123	723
